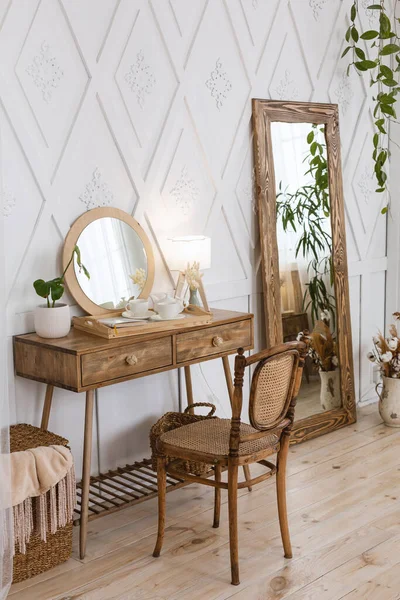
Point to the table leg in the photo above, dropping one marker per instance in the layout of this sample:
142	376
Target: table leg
47	407
189	388
87	459
229	383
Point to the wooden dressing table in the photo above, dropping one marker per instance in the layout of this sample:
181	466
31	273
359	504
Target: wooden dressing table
82	362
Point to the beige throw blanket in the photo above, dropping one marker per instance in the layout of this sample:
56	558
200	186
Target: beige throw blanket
44	475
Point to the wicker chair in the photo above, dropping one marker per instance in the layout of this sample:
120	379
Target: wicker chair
230	443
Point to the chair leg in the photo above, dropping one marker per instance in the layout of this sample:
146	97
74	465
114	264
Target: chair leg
217	496
233	525
281	495
247	475
162	485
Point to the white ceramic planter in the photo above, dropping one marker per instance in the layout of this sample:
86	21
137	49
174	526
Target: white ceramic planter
389	401
330	389
52	322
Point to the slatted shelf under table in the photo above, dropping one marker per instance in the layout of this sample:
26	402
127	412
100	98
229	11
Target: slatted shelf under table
122	487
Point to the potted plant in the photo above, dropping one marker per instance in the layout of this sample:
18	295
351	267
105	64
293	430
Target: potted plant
323	352
386	354
53	320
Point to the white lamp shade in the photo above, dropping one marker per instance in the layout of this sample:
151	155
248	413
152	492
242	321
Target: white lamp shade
189	249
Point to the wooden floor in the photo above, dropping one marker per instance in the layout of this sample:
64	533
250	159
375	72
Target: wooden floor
345	523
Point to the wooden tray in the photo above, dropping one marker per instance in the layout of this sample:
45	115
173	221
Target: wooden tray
90	324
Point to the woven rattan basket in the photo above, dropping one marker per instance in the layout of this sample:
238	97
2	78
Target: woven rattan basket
173	420
40	556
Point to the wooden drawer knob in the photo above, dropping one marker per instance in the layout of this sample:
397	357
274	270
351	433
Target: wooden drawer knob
131	360
217	341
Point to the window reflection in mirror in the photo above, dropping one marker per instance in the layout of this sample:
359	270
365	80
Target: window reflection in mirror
304	238
112	252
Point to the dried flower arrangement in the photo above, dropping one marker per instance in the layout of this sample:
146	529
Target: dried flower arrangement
386	352
321	345
193	276
139	278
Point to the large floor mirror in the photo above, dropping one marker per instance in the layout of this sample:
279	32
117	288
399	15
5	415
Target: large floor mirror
304	261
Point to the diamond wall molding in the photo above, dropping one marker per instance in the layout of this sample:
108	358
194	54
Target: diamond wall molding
145	105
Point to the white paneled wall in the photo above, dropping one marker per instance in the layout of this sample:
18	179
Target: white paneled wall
145	105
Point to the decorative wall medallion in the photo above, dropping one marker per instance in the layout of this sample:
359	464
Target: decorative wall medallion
372	15
366	183
219	84
97	192
249	191
286	89
317	6
9	202
45	72
185	192
344	93
140	78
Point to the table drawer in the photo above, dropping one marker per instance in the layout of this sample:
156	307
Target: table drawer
213	340
121	362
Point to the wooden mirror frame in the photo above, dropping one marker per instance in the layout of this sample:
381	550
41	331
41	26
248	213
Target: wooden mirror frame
71	240
266	112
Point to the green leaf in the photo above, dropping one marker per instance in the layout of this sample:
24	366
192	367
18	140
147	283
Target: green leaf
384	210
57	290
310	137
387	99
313	148
380	190
379	123
360	53
386	71
389	82
354	34
345	51
369	35
384	25
353	12
360	66
364	65
389	49
374	7
348	33
376	140
388	110
42	288
84	269
78	255
382	157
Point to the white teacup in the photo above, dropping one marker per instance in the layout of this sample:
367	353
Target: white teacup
169	310
138	307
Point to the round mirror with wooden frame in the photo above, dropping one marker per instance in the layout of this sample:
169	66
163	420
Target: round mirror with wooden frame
114	247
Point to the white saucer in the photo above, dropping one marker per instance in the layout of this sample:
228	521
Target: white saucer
159	318
127	314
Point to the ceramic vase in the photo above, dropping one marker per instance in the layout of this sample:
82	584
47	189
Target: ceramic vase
330	389
389	401
194	298
52	322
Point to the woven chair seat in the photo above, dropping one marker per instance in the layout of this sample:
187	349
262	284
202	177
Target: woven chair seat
211	436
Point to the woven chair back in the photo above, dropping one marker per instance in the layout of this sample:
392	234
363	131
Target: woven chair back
272	389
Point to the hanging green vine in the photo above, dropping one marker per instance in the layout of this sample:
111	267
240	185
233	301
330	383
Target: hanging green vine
383	63
307	209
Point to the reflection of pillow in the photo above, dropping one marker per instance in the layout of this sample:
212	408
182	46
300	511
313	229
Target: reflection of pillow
107	305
